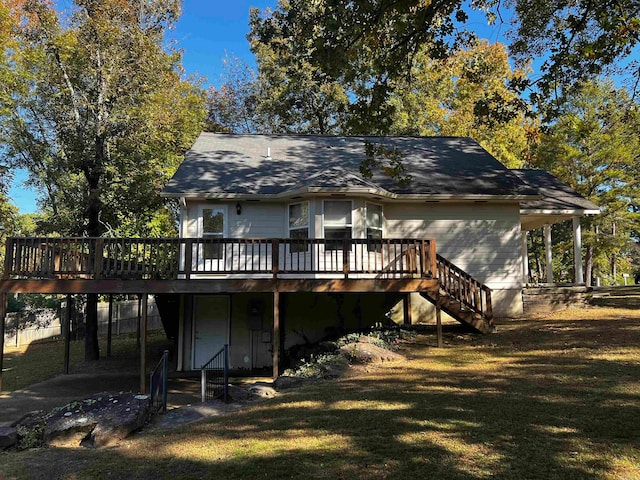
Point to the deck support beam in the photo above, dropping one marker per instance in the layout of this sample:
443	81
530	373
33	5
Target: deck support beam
276	335
548	253
110	326
406	305
439	321
143	346
67	335
3	312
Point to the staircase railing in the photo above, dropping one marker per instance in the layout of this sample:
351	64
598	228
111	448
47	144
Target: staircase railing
462	287
214	379
158	383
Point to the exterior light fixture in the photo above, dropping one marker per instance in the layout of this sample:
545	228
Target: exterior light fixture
238	208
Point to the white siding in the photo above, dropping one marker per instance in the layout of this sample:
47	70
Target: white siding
481	238
257	220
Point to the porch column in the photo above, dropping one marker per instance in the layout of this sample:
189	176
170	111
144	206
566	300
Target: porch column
3	311
525	257
143	346
548	255
276	334
577	251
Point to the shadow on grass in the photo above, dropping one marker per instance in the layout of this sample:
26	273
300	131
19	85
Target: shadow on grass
537	401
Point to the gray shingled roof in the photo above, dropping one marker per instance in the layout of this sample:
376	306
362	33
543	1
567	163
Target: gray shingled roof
554	194
237	165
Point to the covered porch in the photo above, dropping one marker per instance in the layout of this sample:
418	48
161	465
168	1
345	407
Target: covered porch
557	203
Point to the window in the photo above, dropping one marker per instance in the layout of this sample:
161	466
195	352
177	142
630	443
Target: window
374	226
337	222
299	225
212	228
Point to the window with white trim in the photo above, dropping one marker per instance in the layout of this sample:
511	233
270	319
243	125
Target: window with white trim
337	222
212	228
299	225
373	223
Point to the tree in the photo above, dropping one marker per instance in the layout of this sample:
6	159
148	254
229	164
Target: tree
233	107
579	39
467	94
99	115
333	63
356	53
593	146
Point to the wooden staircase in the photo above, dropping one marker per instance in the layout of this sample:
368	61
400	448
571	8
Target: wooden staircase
462	297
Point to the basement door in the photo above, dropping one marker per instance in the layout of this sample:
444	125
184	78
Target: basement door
210	327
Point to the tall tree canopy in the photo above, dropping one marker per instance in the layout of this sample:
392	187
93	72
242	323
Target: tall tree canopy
362	49
467	94
595	148
97	111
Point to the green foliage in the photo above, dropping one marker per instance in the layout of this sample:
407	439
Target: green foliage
318	366
326	363
330	67
594	148
30	436
233	107
98	112
581	39
470	94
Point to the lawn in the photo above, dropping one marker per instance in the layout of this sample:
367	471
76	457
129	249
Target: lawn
551	398
39	361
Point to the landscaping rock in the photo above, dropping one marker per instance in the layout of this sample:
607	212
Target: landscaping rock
364	352
260	389
287	382
8	437
97	421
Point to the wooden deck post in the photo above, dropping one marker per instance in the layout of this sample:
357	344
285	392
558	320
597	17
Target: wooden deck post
138	325
439	321
3	311
143	347
109	326
67	335
406	304
276	334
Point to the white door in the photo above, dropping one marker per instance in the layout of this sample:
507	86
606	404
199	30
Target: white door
210	327
212	257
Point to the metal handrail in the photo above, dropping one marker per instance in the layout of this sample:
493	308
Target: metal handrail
214	376
158	383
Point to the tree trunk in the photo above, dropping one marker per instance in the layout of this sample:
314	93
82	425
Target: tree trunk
588	265
93	174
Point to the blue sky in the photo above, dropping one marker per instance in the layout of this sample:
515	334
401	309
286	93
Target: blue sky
206	32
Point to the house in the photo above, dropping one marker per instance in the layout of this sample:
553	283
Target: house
284	239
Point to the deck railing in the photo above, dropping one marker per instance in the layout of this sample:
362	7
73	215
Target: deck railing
172	258
461	286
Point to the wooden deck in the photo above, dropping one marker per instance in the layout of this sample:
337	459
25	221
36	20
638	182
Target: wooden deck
196	265
224	265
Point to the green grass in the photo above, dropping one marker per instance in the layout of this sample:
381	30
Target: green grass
39	361
552	398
